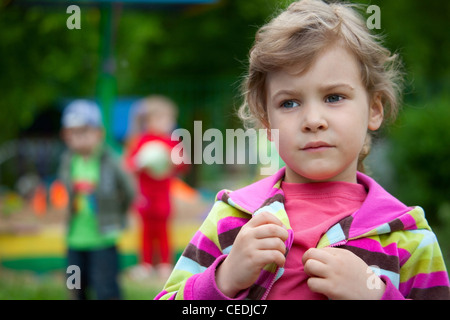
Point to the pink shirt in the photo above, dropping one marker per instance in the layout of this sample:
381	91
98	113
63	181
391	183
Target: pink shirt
312	209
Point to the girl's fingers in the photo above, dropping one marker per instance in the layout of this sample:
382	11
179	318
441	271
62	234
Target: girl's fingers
318	285
315	268
271	231
321	255
271	256
264	218
264	236
267	225
278	257
271	244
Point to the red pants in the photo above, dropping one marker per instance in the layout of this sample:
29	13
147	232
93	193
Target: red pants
155	210
155	241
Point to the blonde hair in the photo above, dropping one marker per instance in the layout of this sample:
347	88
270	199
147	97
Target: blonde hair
148	107
295	37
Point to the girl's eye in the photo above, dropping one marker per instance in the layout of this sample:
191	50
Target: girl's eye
334	98
289	104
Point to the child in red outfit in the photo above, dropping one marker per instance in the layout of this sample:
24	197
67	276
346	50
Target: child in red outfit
149	157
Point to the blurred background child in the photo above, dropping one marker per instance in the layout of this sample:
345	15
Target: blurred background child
148	156
100	194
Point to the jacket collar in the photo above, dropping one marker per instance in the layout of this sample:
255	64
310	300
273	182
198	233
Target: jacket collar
380	212
252	197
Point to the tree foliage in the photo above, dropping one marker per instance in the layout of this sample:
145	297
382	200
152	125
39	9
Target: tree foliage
43	61
419	140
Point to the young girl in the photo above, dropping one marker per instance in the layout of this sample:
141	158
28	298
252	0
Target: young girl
148	156
319	228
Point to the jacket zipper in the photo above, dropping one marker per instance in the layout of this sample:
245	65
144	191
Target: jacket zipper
266	293
338	244
271	284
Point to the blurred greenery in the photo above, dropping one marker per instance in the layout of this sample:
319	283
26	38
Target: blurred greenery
421	155
42	61
193	53
419	139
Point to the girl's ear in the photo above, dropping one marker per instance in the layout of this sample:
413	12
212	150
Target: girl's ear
376	112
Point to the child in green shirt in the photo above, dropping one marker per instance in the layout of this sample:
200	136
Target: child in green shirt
100	193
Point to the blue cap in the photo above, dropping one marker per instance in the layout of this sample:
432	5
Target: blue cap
81	113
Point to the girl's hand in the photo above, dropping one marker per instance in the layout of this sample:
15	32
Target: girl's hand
340	274
259	242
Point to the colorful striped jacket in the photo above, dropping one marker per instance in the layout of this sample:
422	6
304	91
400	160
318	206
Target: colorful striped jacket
395	240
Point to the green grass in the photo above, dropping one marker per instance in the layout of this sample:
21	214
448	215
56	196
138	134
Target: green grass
26	285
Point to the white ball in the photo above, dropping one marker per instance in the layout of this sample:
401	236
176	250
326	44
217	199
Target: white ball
154	157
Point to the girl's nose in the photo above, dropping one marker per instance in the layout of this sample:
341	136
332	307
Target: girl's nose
313	119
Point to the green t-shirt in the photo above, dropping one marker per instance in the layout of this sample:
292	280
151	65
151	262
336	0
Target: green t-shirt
83	231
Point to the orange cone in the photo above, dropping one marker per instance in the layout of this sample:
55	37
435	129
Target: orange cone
39	201
59	197
182	190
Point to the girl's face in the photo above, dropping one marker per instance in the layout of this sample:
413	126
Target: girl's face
161	122
321	117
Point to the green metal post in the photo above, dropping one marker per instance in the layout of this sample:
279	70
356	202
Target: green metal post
107	83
